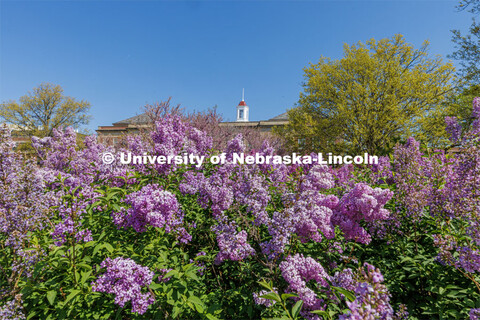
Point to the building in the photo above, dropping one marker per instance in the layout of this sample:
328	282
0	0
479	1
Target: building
17	133
112	134
263	125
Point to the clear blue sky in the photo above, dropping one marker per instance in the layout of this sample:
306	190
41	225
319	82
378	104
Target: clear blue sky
120	55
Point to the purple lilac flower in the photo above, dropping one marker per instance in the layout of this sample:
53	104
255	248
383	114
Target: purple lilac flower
297	270
474	314
262	301
280	228
125	278
318	178
13	309
24	205
313	217
371	297
454	129
233	244
476	114
344	178
344	279
152	206
250	190
161	276
362	203
172	136
214	192
61	154
71	224
200	264
382	171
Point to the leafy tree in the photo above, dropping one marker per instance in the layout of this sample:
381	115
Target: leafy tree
468	46
44	109
378	93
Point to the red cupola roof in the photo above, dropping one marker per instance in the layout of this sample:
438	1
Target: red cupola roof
242	103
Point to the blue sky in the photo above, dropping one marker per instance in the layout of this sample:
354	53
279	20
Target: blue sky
120	55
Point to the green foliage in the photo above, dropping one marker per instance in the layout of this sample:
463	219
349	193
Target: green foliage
46	108
414	276
378	93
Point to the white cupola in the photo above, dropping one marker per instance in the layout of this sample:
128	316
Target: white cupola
242	109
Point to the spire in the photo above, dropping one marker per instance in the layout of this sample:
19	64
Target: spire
242	109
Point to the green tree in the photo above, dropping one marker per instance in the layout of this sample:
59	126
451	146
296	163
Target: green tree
378	93
468	46
46	108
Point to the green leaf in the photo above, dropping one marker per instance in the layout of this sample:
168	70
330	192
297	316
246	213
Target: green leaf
109	247
72	295
348	295
265	285
297	308
195	300
155	286
272	296
51	296
176	311
171	273
322	313
85	276
285	296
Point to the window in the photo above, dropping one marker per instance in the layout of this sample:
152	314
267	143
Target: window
240	114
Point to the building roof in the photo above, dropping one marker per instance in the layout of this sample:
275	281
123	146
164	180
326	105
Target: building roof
280	117
138	119
242	103
144	119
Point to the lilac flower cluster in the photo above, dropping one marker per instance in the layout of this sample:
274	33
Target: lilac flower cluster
172	136
453	128
474	314
24	206
362	203
13	309
200	264
308	214
60	154
250	191
411	180
298	270
257	297
371	298
153	206
476	115
280	228
70	225
344	279
465	257
313	218
233	244
163	272
381	172
125	278
214	192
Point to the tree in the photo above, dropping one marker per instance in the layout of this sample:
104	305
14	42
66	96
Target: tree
44	109
378	93
468	46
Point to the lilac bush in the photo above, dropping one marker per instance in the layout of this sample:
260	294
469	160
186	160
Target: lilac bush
73	228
